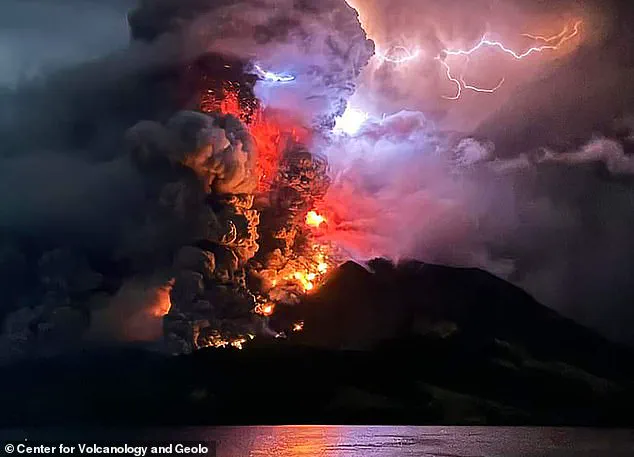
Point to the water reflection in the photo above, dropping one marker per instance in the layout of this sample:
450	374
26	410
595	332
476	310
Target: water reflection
335	441
325	441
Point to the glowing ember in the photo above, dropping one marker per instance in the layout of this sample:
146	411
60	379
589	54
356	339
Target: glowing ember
305	279
265	309
301	264
298	326
218	342
314	219
310	276
238	343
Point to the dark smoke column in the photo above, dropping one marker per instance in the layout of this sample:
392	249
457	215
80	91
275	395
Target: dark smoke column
217	44
204	167
321	43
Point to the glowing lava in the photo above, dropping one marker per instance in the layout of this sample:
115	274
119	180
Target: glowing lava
265	309
314	219
218	342
309	277
271	134
301	267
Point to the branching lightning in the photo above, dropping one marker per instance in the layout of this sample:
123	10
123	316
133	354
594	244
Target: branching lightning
552	43
401	55
563	37
559	36
452	79
461	84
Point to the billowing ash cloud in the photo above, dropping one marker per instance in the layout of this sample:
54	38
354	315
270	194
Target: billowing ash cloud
554	222
105	190
88	247
402	189
319	44
196	140
536	185
134	314
102	187
608	152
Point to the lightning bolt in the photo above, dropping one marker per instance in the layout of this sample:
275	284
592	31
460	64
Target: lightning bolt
559	36
271	76
407	56
452	79
563	37
551	43
461	84
401	55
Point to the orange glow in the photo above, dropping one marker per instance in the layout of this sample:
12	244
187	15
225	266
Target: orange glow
270	133
218	342
238	344
313	273
303	273
162	303
303	279
305	268
230	104
314	219
266	309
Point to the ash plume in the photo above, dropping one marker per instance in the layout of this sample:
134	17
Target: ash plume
117	188
531	182
320	44
544	219
134	314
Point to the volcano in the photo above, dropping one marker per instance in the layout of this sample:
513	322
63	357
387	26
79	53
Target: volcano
410	343
198	249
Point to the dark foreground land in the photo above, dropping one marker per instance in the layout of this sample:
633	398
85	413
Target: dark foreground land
415	344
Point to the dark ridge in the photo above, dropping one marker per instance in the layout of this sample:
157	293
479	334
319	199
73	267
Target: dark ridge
405	344
362	307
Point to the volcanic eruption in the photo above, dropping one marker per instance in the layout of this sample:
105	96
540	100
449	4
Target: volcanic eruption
266	142
255	182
